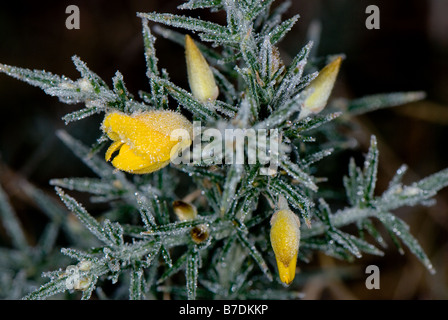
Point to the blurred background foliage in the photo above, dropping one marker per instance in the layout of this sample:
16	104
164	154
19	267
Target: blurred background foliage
408	53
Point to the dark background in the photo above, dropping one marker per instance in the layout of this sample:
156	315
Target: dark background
408	53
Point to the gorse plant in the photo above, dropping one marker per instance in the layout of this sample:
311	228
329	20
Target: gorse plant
214	227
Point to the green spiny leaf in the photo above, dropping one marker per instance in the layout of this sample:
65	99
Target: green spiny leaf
401	230
202	111
86	73
378	101
191	273
282	29
175	267
293	170
137	283
11	223
370	170
87	220
184	22
294	197
254	253
200	4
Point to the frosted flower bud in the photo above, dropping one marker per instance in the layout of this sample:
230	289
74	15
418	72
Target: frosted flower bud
200	76
285	239
199	233
82	284
184	211
84	265
143	142
85	85
322	87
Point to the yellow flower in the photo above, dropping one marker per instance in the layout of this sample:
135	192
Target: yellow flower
200	76
144	142
285	239
322	87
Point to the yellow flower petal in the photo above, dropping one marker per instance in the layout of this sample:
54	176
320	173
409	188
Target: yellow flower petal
114	147
144	141
322	86
285	239
127	160
200	76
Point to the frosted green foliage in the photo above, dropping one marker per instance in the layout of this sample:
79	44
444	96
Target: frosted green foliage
192	274
135	240
102	232
209	31
11	223
298	174
233	178
209	53
254	253
360	186
282	29
22	262
90	89
378	101
200	4
137	284
201	111
158	96
294	195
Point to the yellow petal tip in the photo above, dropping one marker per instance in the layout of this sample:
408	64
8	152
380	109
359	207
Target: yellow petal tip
287	273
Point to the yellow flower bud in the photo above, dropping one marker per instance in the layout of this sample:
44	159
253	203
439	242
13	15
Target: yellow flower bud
322	87
285	239
184	211
144	142
200	76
